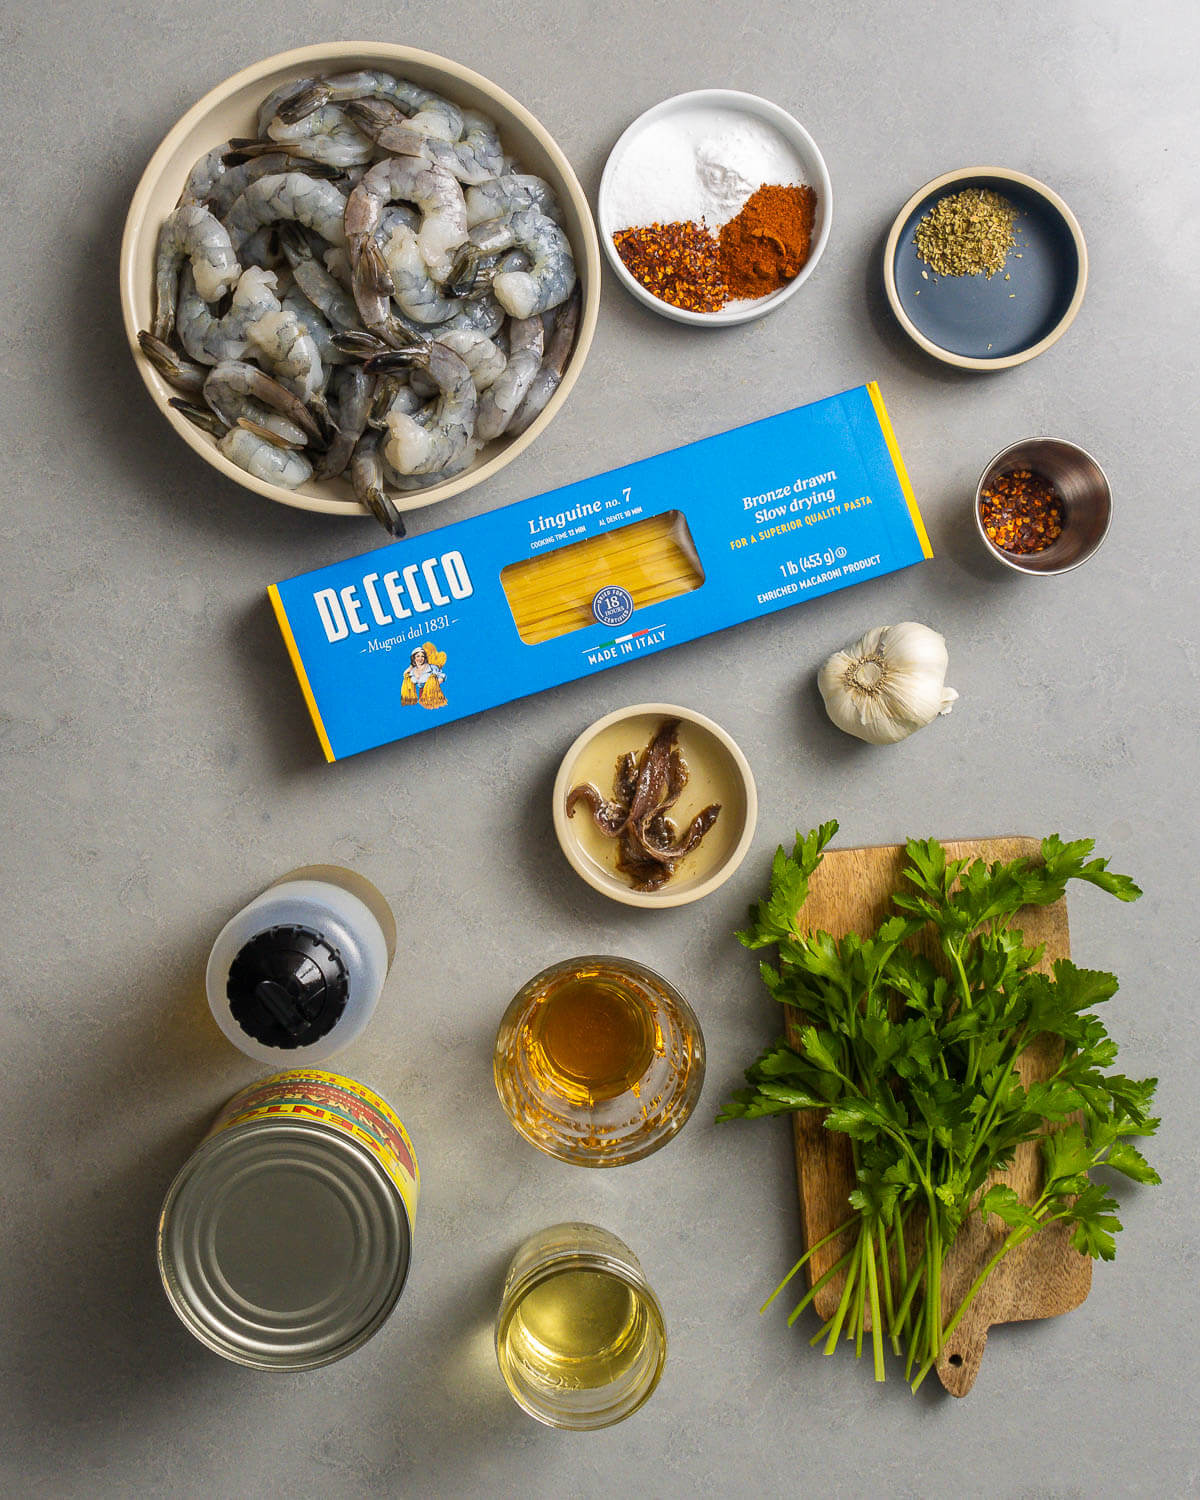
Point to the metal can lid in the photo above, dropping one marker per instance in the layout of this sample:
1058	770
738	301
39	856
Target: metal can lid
282	1245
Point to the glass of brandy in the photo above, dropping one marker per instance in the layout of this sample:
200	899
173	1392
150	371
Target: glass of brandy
598	1061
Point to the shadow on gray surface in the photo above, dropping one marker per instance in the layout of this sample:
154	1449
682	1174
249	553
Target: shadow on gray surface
95	1334
282	723
883	320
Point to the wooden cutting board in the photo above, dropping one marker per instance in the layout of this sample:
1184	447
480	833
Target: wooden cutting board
850	892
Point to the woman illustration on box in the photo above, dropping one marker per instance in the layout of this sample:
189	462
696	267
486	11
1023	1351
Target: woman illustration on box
423	678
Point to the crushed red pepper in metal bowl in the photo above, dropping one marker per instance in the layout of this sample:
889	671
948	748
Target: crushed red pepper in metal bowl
1021	512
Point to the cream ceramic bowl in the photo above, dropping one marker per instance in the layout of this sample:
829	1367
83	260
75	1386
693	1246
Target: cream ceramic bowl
719	772
229	110
996	323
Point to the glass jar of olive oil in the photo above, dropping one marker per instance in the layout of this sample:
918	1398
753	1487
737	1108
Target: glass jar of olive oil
580	1336
598	1061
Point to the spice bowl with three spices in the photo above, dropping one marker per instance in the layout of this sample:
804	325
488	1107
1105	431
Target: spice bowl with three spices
985	268
1043	506
714	207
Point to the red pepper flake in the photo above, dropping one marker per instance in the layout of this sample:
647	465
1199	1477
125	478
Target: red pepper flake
679	263
1021	512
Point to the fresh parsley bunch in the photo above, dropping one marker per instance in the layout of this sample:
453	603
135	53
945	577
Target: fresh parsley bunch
915	1063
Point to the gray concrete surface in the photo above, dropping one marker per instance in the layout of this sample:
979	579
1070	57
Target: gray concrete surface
159	770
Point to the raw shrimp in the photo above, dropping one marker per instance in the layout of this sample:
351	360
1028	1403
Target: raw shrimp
210	339
191	234
478	314
353	389
251	446
240	173
314	324
436	194
278	98
422	481
508	194
476	158
499	403
372	284
288	196
280	338
550	278
366	475
481	356
472	273
177	371
415	291
319	285
253	450
547	379
324	135
301	250
236	389
203	178
412	448
429	113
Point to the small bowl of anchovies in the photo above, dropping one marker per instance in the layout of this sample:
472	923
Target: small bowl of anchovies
985	268
655	805
359	278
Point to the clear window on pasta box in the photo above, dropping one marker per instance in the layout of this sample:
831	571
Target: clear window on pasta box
603	579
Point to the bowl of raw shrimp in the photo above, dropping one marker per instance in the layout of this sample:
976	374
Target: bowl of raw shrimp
359	278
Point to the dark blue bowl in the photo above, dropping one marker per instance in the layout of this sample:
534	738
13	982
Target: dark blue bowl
982	324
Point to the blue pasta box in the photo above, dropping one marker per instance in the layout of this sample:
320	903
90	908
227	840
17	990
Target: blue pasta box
439	626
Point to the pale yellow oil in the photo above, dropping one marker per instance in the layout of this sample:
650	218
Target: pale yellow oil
577	1330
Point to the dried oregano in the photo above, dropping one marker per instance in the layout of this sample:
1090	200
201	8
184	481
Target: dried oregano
967	234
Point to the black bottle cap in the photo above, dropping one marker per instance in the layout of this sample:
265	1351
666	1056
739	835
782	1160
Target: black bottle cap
287	987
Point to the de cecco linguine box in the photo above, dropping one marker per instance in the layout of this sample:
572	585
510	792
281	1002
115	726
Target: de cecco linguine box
443	625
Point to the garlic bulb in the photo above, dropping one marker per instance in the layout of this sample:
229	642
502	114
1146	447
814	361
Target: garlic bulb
889	684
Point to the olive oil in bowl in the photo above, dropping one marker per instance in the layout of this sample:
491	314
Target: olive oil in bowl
598	1061
580	1337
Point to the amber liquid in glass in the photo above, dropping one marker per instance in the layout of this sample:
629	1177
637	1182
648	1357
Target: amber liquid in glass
590	1039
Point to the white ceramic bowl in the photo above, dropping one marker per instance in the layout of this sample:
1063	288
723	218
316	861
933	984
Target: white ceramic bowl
229	110
719	772
802	146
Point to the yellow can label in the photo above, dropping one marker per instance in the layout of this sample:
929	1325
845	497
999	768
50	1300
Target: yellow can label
340	1104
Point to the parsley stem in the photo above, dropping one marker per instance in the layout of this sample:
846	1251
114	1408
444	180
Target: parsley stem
1017	1237
808	1254
876	1318
900	1318
843	1306
910	1290
815	1288
886	1274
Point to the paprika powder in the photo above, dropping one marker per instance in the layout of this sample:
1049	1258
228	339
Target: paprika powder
766	245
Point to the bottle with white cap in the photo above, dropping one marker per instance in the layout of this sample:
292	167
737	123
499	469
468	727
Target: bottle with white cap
295	976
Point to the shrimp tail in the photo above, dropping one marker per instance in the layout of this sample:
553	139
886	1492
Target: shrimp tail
200	416
414	354
314	97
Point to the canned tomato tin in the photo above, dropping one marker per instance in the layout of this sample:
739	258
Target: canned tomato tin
284	1241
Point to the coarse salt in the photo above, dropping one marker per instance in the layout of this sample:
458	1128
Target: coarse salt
698	164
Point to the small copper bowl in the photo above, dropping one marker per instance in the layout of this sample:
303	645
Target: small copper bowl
1083	491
